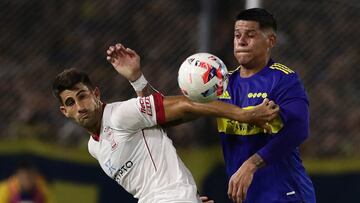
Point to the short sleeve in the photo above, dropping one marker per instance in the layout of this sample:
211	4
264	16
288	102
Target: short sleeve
138	113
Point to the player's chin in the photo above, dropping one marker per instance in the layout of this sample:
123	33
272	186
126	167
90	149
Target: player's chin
86	122
243	58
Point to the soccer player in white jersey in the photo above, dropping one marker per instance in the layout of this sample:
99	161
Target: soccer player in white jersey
127	138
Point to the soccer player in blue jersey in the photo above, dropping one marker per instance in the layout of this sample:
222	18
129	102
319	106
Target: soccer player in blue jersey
264	167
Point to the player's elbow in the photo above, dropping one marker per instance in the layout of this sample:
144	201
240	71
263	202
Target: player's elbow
177	107
298	130
190	110
302	134
302	137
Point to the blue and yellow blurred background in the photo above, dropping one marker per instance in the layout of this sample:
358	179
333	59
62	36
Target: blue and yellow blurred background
39	38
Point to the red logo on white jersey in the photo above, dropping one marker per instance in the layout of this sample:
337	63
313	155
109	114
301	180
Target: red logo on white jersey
145	106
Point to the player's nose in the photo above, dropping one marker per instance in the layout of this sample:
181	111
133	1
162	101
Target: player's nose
242	41
80	107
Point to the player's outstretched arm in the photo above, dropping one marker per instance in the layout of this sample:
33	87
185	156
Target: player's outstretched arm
180	108
127	63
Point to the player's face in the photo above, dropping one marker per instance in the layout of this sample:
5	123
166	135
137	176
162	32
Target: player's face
82	105
251	44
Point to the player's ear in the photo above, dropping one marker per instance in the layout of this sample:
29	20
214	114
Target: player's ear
64	111
97	92
272	39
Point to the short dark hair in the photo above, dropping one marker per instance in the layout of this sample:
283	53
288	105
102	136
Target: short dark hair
67	80
260	15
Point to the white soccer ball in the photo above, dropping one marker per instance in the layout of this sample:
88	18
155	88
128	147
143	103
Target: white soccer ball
203	77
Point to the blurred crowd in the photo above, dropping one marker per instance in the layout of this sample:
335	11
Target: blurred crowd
42	37
25	185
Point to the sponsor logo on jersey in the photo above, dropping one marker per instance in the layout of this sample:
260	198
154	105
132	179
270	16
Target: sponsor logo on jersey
257	95
233	127
225	95
145	106
124	169
109	166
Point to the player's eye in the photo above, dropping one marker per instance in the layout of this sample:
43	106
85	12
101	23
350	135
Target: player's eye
251	34
82	96
69	102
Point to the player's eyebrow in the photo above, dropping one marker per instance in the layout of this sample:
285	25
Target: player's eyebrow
79	92
246	30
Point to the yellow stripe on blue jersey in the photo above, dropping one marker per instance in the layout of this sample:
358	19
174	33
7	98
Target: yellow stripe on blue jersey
229	126
281	67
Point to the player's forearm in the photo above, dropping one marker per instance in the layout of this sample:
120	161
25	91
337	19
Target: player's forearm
179	107
284	143
255	162
222	109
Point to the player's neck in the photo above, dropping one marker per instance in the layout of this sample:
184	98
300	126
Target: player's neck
94	130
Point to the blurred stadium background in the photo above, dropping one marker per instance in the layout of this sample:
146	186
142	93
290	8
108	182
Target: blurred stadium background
319	39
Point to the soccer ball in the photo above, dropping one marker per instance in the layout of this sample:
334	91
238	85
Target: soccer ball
202	77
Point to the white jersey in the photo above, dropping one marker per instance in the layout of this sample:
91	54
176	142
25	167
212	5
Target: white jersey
139	156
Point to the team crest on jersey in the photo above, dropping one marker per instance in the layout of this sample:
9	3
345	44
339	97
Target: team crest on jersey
109	136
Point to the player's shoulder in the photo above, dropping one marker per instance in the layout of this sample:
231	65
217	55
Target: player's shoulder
119	105
110	107
114	111
284	76
283	73
281	69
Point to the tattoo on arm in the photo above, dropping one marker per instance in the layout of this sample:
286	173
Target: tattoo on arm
257	161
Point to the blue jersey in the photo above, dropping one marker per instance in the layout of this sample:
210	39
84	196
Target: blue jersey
283	179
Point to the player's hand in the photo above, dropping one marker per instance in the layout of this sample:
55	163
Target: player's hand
205	199
125	61
240	182
263	113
